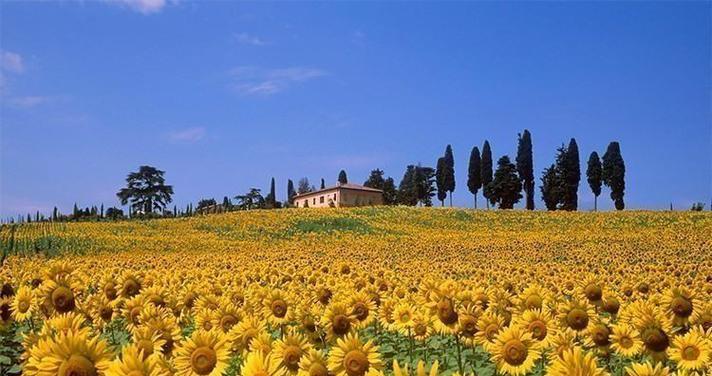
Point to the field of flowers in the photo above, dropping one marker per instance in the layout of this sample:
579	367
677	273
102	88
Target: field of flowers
351	292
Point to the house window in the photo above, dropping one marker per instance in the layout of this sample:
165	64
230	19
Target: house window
306	203
314	201
321	199
334	196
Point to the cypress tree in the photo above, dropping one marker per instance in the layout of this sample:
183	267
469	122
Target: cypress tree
506	186
342	177
570	170
474	173
102	210
271	200
593	173
486	171
290	192
55	214
75	211
525	167
441	179
613	174
390	194
550	187
449	176
322	183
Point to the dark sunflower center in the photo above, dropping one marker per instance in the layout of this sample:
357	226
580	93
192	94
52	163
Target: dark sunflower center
446	312
203	360
63	299
681	306
538	329
469	326
227	322
23	306
292	354
611	306
577	319
356	363
655	339
131	287
110	291
600	335
491	330
360	311
690	353
279	308
324	296
318	369
135	315
146	346
77	365
533	302
341	324
515	353
626	342
593	292
106	313
420	330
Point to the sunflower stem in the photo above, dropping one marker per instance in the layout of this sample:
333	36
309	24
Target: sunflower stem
459	355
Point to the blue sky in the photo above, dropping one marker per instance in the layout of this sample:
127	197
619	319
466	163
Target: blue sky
224	96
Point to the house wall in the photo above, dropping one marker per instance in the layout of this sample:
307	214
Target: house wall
341	197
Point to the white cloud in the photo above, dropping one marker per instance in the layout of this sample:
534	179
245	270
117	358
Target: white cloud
264	82
188	135
142	6
11	62
28	101
245	38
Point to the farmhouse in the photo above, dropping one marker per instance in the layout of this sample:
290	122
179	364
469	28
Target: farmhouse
340	195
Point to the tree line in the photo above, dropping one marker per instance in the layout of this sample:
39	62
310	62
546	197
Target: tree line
147	195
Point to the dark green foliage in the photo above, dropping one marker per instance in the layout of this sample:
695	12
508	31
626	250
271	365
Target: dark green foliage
525	167
407	194
550	188
323	185
206	203
570	173
416	187
506	187
146	190
290	192
698	206
390	194
441	179
250	200
226	204
271	199
613	174
375	179
449	177
342	177
114	213
486	172
594	173
474	173
303	186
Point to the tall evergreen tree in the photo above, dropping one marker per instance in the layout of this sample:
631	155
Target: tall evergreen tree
441	173
407	194
474	173
323	185
55	214
594	173
146	190
390	194
375	179
342	177
570	171
486	173
102	210
303	186
226	204
550	188
424	184
506	187
525	167
449	177
75	211
290	192
613	174
271	199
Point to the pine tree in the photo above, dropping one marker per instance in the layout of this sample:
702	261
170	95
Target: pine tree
55	214
474	173
441	179
342	177
102	210
506	187
570	170
375	179
271	199
594	172
390	194
323	185
525	167
449	177
550	188
613	174
486	173
75	211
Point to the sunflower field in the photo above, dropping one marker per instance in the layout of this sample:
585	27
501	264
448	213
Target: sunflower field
361	291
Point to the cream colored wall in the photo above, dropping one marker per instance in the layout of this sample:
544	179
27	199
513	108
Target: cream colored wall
342	197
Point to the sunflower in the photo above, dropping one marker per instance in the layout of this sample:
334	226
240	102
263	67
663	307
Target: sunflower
242	334
691	352
625	340
533	297
444	314
575	362
647	369
420	370
5	312
514	351
276	308
680	304
148	341
422	326
59	293
289	351
561	341
653	327
227	315
72	354
205	319
69	322
167	328
338	321
350	357
362	308
467	324
133	363
130	284
403	317
576	315
260	364
131	311
204	353
385	313
313	363
488	325
539	323
261	343
23	304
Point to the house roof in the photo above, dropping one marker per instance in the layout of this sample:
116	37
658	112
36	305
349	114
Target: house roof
354	187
